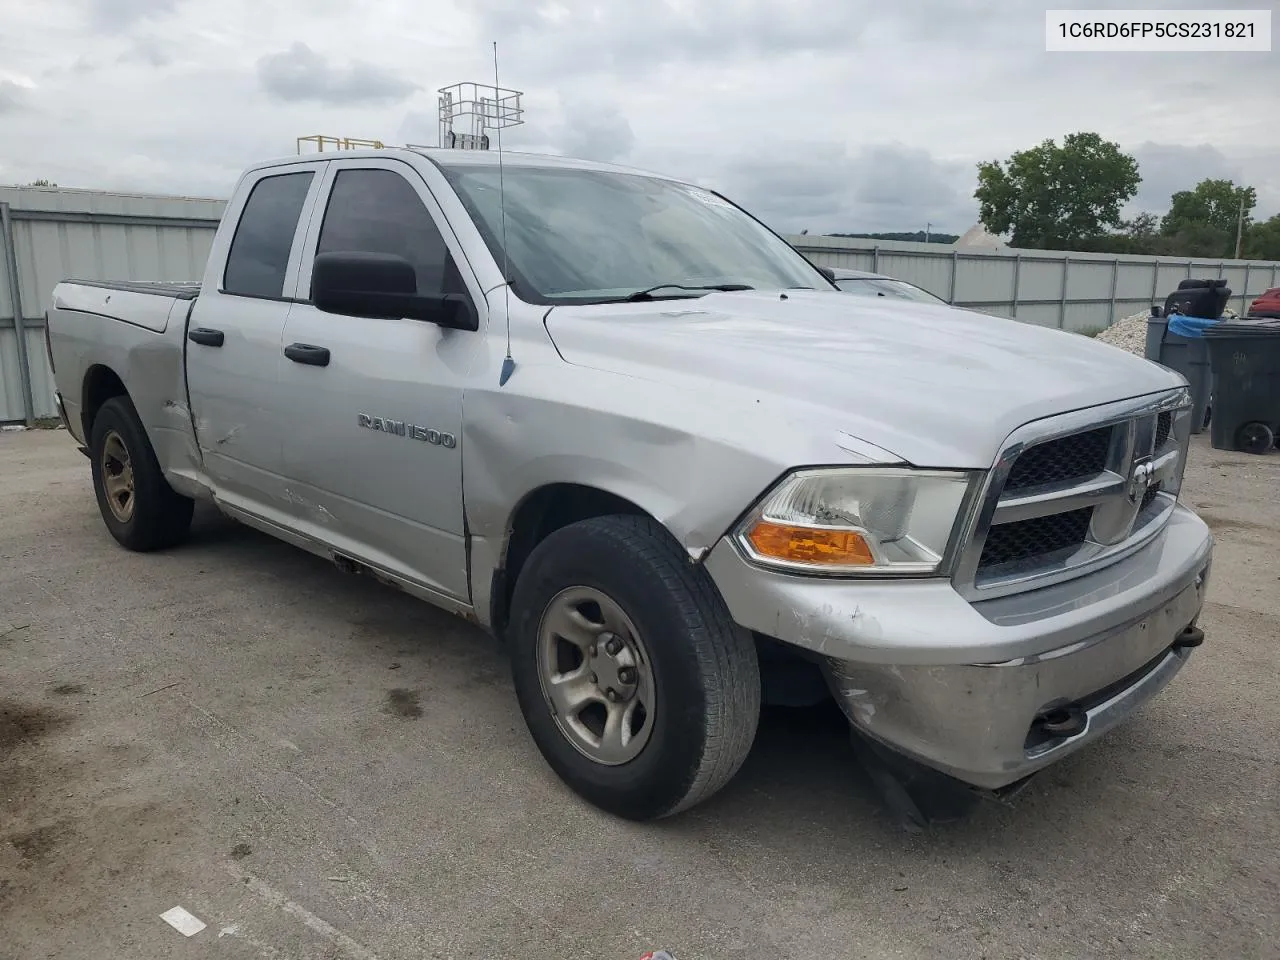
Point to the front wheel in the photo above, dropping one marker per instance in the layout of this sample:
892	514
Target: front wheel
639	690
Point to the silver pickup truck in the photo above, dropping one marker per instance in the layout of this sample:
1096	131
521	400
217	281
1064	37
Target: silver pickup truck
615	420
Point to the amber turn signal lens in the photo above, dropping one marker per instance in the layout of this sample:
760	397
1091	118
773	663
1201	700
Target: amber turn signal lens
819	547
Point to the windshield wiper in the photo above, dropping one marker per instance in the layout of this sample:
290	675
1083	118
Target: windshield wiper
648	294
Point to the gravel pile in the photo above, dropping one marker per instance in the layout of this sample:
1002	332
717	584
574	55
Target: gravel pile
1128	333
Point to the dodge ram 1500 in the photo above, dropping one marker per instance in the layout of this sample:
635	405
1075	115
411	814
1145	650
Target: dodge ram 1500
614	419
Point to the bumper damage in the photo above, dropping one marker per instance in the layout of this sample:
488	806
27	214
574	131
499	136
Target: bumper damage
990	725
990	693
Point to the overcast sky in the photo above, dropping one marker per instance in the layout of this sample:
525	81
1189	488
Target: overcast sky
824	115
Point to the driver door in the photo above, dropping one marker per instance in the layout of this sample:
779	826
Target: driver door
373	456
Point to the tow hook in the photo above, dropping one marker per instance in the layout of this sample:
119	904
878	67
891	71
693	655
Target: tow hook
1065	721
1193	636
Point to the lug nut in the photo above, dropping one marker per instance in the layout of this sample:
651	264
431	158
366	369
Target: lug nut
594	678
613	646
611	695
627	674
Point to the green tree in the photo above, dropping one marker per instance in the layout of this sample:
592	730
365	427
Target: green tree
42	183
1143	228
1054	197
1198	239
1140	235
1262	240
1211	209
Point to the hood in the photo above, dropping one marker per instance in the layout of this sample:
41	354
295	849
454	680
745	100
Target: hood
934	385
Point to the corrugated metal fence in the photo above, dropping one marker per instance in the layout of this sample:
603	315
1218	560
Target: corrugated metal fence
47	235
1073	291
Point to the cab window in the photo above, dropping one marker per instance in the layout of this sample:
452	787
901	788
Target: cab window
259	254
378	211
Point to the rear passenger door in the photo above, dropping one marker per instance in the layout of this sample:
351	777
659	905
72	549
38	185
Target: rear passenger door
233	336
373	449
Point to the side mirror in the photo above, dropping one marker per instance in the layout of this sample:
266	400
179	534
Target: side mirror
381	285
828	273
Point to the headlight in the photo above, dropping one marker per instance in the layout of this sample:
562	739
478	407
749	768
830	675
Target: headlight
861	520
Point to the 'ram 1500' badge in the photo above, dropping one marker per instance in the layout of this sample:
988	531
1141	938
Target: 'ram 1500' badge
410	430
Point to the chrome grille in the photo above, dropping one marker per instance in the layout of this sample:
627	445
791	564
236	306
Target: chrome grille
1069	458
1028	539
1070	494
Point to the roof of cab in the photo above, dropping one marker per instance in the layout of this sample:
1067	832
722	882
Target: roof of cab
445	157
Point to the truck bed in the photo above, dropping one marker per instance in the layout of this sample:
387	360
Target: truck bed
143	303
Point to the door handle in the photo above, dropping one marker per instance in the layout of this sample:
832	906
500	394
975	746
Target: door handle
307	353
206	336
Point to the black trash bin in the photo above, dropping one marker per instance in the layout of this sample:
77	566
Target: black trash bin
1188	356
1245	359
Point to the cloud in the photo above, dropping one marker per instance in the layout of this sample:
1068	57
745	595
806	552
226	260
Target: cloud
14	96
300	73
595	131
573	37
146	51
420	127
1167	168
117	16
824	188
853	116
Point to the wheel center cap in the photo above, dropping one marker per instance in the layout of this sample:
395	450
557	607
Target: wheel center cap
613	667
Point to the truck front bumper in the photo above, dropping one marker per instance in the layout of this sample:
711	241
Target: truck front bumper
993	691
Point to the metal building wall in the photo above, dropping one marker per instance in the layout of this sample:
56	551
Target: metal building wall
49	234
1072	291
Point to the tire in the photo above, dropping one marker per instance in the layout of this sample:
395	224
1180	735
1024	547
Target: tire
1257	438
703	686
152	516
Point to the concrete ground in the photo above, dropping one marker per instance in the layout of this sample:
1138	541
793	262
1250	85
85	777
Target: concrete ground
319	767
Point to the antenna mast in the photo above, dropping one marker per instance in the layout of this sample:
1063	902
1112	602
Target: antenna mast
467	113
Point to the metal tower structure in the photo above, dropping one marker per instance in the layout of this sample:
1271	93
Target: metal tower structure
469	111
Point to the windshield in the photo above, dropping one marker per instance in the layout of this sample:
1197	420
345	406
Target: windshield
886	287
580	236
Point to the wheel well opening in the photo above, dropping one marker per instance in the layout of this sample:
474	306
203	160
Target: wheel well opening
100	385
541	514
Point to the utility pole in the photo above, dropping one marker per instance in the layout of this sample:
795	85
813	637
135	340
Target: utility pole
1240	228
927	227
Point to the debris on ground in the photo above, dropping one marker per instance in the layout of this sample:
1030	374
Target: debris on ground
1128	333
183	921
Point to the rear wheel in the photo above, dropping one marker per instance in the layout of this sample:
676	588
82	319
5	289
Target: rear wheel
637	687
137	504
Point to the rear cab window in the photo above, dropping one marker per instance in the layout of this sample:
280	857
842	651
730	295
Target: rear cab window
259	256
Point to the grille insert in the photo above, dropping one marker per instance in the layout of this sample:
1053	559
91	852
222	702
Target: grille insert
1074	457
1029	539
1148	497
1164	426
